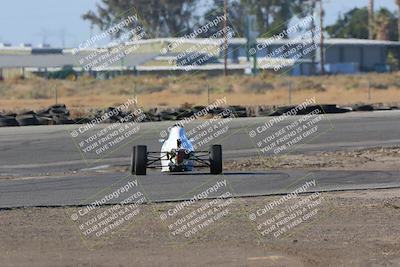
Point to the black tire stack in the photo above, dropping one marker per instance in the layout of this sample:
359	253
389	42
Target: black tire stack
60	114
27	119
8	121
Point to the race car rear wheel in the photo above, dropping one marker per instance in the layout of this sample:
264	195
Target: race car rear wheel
139	160
216	159
133	157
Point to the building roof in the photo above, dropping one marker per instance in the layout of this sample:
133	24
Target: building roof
328	41
60	60
14	57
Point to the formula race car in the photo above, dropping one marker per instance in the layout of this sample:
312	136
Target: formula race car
177	155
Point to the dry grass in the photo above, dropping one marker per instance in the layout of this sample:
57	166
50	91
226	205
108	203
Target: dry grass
266	89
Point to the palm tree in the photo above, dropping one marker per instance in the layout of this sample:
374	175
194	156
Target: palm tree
382	23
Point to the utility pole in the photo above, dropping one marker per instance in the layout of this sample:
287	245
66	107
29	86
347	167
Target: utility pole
134	90
321	20
44	34
226	37
251	36
208	94
371	19
369	90
62	38
313	38
56	94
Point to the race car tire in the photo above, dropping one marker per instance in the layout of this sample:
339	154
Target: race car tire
133	157
140	155
216	159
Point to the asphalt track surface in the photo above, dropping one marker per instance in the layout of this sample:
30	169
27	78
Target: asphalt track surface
47	168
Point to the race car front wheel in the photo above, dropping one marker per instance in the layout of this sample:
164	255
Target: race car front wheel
216	159
139	160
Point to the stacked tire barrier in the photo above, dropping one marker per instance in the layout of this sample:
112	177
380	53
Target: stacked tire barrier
323	109
60	115
56	114
374	107
6	121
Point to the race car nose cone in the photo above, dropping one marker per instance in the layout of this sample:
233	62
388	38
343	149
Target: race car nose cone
177	132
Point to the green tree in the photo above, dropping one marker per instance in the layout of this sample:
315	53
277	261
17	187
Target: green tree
398	19
393	61
159	17
164	18
354	24
385	25
273	16
236	17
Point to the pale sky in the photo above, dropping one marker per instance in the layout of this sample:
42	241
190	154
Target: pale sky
59	21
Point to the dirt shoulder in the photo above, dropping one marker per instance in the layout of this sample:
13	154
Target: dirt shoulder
373	159
267	89
359	159
349	229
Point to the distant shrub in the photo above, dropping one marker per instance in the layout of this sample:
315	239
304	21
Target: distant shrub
153	89
221	90
186	105
15	79
352	85
38	94
259	87
396	84
125	91
195	90
308	84
4	90
380	86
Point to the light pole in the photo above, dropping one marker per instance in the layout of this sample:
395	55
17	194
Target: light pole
313	67
371	19
225	37
321	20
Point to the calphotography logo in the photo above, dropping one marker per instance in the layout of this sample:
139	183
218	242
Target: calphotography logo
200	213
287	131
93	140
106	215
278	217
125	34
